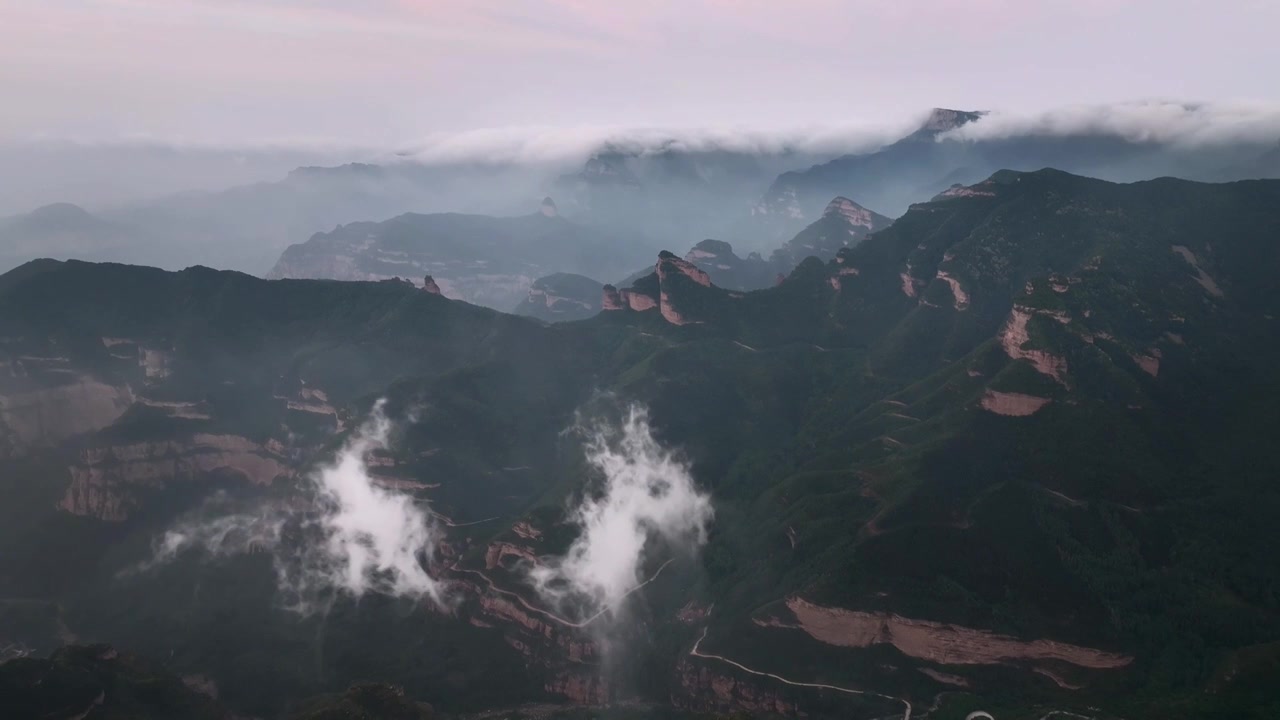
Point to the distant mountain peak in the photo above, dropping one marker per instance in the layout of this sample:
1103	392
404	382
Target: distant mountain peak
59	211
709	248
851	211
548	208
941	120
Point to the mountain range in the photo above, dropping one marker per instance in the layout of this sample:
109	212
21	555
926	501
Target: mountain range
668	192
485	260
1008	453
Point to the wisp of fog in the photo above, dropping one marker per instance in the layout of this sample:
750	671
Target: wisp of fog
647	495
349	535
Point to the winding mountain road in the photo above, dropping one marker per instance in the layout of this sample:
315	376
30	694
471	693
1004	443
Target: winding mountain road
697	652
552	616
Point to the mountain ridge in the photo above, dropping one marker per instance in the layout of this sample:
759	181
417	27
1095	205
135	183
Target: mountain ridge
1007	452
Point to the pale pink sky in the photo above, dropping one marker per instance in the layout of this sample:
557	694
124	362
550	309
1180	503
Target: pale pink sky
388	71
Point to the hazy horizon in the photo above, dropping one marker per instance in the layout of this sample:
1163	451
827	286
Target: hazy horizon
387	74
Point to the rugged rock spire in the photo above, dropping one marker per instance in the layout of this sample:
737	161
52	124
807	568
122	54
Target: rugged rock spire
429	284
611	300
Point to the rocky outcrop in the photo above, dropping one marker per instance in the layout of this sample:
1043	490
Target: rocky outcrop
908	283
527	531
942	120
498	552
837	280
48	416
1012	404
844	224
674	285
669	312
429	285
611	299
982	189
945	678
1210	286
106	481
1149	363
1013	338
669	263
959	297
939	642
852	213
638	301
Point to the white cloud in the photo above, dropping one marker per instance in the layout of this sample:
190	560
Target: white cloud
347	535
1154	121
377	539
648	497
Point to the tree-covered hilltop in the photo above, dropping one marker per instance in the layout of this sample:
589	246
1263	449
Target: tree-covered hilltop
1010	453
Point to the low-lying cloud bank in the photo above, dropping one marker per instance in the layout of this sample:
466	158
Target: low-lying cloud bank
1156	121
647	499
344	535
569	146
1153	121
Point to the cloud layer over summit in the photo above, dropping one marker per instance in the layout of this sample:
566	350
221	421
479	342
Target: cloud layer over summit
388	72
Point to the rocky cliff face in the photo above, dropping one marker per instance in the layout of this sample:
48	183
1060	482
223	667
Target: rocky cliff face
676	288
45	417
107	481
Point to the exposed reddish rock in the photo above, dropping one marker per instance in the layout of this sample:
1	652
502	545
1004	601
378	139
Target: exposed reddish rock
526	531
581	687
945	678
612	300
154	363
105	479
982	189
504	609
1014	335
1202	277
669	311
908	284
638	301
1014	404
429	285
852	212
1150	364
38	418
669	263
837	279
961	298
497	552
703	688
939	642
